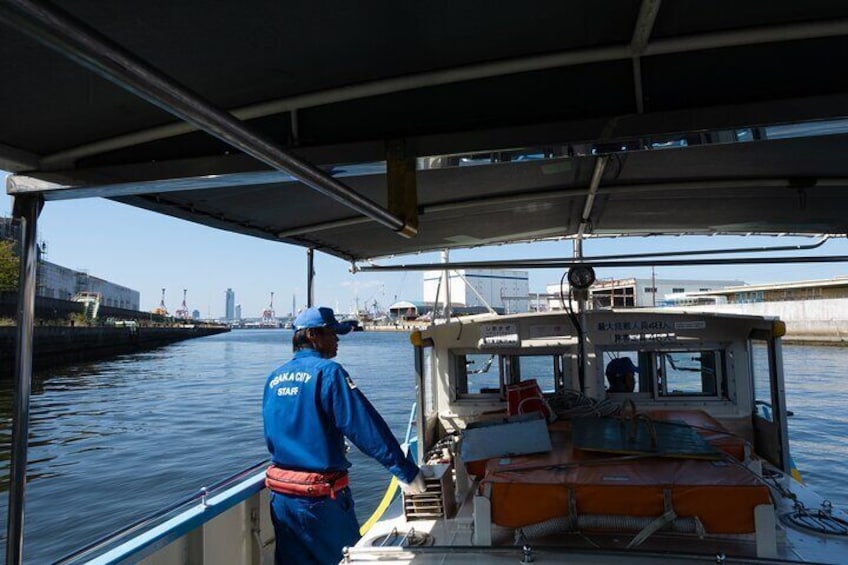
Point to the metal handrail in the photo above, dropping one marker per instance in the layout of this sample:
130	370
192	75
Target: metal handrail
157	516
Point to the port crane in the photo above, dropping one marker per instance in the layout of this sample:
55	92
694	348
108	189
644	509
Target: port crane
183	312
269	317
161	310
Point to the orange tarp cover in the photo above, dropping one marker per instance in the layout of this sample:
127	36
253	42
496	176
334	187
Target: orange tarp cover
534	488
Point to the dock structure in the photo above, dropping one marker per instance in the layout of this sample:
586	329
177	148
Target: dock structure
66	345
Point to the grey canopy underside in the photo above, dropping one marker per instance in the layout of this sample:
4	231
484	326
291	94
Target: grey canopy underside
505	111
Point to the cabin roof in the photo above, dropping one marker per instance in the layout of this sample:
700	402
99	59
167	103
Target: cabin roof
719	117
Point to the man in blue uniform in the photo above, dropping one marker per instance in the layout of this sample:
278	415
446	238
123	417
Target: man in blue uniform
309	405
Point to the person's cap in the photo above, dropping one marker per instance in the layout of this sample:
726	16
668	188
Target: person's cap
621	366
320	318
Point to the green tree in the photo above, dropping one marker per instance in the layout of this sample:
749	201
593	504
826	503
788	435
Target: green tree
9	266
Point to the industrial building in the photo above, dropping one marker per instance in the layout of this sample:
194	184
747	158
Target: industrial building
640	292
503	291
814	311
56	281
780	292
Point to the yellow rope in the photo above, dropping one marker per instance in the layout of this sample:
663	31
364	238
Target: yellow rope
381	508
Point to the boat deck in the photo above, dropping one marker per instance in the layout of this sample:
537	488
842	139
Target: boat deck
452	541
585	507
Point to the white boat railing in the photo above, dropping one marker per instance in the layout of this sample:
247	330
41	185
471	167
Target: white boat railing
179	520
155	531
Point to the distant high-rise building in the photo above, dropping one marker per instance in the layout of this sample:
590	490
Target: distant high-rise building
238	311
230	308
195	314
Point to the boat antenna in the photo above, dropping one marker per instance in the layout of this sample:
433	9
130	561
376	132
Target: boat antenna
446	260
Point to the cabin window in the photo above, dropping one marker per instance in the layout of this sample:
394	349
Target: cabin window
546	370
761	371
769	417
489	374
688	373
483	374
668	374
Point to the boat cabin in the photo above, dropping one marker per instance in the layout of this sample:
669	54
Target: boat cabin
726	366
540	448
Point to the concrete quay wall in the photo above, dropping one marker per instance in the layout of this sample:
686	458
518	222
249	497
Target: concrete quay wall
822	321
56	309
61	345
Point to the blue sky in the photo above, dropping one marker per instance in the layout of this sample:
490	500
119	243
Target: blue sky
148	252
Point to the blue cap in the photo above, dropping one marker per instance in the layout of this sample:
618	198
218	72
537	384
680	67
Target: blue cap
621	366
321	318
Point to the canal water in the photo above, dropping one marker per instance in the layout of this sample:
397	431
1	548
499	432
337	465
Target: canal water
111	442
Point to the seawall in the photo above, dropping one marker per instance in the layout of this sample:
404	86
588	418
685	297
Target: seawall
62	345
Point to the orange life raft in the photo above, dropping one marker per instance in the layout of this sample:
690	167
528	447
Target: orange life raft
531	489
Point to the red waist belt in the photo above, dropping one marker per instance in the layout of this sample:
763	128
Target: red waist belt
303	483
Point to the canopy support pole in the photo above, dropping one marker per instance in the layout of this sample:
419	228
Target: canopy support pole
641	35
586	218
310	278
446	261
27	210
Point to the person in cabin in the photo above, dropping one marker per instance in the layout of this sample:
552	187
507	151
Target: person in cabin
309	406
620	374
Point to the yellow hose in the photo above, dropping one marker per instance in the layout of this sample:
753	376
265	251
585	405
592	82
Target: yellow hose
389	495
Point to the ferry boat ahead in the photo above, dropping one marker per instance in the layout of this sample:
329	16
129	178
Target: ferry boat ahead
533	458
404	130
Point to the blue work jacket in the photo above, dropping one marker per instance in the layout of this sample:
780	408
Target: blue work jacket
310	404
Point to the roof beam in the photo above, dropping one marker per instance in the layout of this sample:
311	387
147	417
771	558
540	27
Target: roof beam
79	42
809	30
701	186
12	159
641	34
559	263
594	184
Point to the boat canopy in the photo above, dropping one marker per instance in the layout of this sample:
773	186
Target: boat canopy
332	126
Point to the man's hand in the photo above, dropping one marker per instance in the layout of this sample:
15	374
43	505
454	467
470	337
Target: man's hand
417	485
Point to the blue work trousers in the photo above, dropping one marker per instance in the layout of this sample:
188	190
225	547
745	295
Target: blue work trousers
313	529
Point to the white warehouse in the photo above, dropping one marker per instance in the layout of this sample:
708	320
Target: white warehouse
505	291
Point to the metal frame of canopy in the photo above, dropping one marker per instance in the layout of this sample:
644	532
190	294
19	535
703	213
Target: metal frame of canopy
79	42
